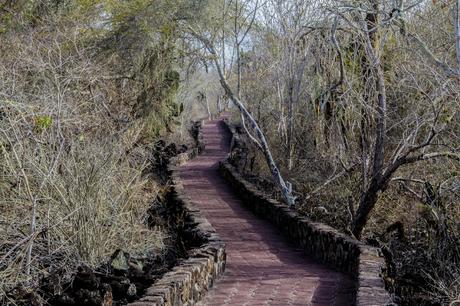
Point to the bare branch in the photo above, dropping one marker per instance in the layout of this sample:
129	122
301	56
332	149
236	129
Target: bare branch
285	186
243	122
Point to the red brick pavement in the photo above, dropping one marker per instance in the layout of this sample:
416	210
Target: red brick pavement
262	267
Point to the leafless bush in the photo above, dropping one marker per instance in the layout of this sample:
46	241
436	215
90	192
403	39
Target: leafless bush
71	190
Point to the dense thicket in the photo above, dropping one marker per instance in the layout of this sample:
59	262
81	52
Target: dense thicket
85	89
359	102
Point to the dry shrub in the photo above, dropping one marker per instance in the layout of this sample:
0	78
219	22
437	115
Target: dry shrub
71	163
83	197
425	261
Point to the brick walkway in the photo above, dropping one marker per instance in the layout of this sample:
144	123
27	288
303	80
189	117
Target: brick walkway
262	267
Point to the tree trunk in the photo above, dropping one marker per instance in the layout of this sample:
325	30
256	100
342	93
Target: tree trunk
379	150
290	127
223	37
237	47
366	65
457	33
218	105
208	108
238	67
370	196
366	204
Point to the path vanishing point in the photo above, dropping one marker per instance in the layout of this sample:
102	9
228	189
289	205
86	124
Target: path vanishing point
263	268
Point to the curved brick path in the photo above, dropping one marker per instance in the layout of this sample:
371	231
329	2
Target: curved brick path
262	268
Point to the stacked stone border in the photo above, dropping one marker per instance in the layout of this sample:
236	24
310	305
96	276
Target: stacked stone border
188	282
318	240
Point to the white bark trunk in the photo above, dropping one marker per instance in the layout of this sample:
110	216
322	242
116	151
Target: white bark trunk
286	187
457	34
208	108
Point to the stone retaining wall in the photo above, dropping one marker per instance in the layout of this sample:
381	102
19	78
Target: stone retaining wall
191	278
318	240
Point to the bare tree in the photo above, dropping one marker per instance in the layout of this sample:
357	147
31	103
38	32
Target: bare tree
286	187
409	150
289	20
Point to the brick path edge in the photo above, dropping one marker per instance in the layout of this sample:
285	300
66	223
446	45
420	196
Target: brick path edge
188	282
318	240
